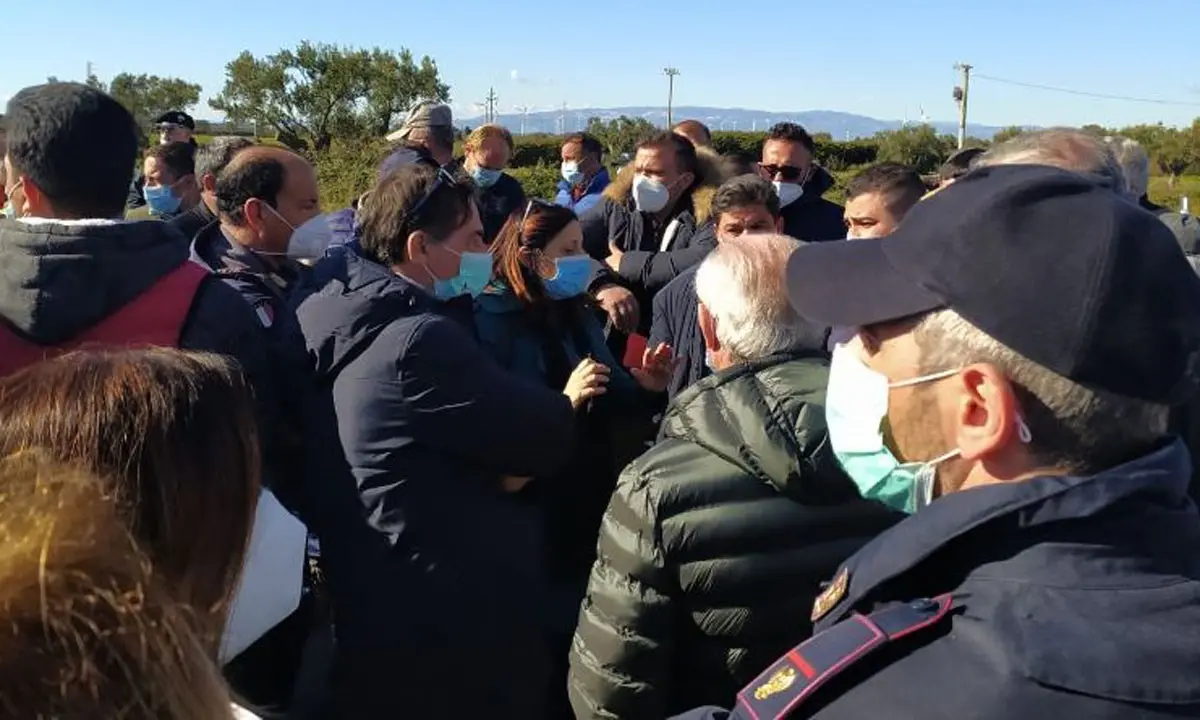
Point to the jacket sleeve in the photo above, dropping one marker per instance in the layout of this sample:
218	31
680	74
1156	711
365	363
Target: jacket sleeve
660	326
621	656
653	270
223	322
464	403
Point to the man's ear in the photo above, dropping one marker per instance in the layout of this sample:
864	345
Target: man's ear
416	247
208	183
708	328
36	203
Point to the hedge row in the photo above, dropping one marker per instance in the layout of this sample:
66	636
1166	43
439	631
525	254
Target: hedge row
533	150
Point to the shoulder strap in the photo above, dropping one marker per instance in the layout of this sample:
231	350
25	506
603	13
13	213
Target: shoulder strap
796	676
155	317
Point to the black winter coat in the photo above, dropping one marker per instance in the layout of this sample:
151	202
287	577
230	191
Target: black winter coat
812	218
443	564
715	544
497	203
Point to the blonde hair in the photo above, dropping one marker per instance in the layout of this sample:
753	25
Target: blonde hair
483	132
86	629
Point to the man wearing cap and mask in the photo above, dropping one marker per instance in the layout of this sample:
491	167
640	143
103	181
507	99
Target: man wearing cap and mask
430	125
1014	398
173	126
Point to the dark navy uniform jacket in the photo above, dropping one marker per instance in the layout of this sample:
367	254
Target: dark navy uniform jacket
1056	598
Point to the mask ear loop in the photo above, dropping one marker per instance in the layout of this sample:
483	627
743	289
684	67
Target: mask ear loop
1023	431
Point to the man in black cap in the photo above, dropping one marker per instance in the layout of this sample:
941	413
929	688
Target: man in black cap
1020	339
173	126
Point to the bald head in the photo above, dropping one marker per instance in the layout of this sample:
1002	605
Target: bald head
264	193
695	131
1064	148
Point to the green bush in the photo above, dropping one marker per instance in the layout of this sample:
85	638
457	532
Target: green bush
539	181
348	169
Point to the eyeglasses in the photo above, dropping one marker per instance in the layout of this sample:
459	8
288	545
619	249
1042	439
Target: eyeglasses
786	173
444	177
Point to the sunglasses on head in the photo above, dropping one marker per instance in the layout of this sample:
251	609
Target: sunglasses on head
786	173
444	177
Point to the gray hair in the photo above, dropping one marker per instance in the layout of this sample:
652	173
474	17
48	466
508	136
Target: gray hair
1065	148
743	286
214	156
1074	428
1134	162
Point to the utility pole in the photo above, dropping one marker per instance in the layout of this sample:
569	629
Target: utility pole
671	73
489	113
524	110
89	72
961	92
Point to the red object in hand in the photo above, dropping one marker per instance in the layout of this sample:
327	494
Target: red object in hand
635	350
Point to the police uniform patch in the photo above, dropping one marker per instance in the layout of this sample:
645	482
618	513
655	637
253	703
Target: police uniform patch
779	682
832	595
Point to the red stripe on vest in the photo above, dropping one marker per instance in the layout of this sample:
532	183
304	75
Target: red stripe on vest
155	317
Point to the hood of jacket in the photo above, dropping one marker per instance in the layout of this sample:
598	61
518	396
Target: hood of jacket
61	278
767	418
346	302
708	170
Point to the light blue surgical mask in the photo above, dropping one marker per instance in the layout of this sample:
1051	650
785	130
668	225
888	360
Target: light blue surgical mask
484	177
474	273
161	200
856	406
571	173
572	275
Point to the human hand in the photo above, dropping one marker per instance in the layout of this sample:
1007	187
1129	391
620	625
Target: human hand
614	257
621	306
588	380
658	365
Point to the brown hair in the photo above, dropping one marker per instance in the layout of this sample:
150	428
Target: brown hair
86	628
531	228
386	213
174	432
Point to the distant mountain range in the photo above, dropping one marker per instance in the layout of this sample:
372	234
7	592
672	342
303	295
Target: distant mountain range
840	125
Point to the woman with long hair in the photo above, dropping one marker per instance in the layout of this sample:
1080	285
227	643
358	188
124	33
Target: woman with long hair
174	435
88	628
537	320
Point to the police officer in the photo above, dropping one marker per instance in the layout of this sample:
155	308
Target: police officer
269	221
172	126
1021	337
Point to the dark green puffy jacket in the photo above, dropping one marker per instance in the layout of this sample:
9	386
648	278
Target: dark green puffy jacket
715	544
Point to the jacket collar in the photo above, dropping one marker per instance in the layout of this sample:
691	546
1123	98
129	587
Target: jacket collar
214	248
595	186
1161	477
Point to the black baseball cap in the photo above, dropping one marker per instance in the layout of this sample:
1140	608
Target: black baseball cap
1048	262
176	117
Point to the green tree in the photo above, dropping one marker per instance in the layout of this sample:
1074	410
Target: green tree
621	135
148	96
918	146
1176	150
1007	133
316	92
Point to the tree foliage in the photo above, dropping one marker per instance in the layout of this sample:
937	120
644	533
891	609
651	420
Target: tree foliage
148	96
918	146
1007	133
621	135
317	92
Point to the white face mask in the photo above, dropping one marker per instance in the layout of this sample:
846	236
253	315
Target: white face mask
272	576
788	192
649	195
309	241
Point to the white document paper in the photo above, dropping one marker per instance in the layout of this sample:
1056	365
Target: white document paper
272	577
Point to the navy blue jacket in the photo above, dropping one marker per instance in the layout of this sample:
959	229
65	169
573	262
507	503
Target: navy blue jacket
677	324
497	203
447	572
812	218
1073	597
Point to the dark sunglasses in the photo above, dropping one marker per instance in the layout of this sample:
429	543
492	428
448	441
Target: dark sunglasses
444	177
787	173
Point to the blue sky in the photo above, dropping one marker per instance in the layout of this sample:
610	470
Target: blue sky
881	58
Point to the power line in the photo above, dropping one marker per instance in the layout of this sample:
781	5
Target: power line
1085	93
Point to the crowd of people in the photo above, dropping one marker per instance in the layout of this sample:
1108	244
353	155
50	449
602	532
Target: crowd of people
685	440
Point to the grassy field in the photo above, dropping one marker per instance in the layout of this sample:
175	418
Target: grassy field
1162	193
